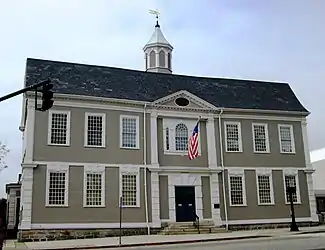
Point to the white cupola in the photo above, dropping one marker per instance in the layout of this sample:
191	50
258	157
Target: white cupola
158	53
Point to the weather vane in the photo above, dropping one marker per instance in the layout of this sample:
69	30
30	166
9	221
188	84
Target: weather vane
156	13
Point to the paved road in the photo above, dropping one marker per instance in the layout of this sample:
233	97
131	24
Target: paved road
298	242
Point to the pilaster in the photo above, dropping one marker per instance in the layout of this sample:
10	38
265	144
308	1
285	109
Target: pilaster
153	138
155	199
211	141
29	132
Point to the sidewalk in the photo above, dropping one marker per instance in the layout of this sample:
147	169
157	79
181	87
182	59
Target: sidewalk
145	240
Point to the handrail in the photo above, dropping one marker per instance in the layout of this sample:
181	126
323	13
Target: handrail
197	223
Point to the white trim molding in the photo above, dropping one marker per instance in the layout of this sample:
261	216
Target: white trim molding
171	124
184	180
91	225
215	199
292	139
103	117
240	140
211	143
155	199
237	172
62	168
27	180
267	221
265	139
137	124
268	173
49	132
94	169
309	174
130	170
29	132
291	172
153	138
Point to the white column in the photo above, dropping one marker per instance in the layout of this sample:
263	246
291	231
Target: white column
153	137
215	199
26	196
211	141
29	132
309	173
155	199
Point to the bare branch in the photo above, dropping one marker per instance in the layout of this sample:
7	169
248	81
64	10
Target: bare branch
3	153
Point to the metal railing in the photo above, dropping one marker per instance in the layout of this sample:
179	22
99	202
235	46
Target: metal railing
197	223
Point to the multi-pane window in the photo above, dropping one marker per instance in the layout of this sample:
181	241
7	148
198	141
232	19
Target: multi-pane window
236	190
57	188
59	133
290	181
264	189
129	190
129	132
260	137
95	130
233	137
286	139
94	189
181	137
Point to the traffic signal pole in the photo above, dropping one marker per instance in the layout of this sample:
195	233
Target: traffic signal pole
24	90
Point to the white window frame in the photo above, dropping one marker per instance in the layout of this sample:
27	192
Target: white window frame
137	131
240	173
49	130
94	169
267	141
103	115
171	124
291	172
63	168
240	140
292	138
268	173
130	170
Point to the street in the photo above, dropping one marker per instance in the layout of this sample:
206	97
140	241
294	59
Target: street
297	242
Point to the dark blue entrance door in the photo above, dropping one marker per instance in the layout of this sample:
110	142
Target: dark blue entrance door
185	203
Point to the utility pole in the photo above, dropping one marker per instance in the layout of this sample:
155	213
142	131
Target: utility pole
47	94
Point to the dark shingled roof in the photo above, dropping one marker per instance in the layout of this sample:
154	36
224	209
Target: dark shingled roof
89	80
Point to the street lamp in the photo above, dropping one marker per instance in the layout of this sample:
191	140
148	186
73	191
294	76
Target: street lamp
293	226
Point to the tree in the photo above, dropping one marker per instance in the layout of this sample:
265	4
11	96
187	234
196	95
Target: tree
3	153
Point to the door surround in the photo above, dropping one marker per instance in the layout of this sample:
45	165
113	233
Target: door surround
175	179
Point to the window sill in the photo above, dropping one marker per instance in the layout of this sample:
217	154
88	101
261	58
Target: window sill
266	204
94	146
234	151
262	152
129	148
295	203
93	206
58	145
288	153
239	205
136	206
182	153
57	206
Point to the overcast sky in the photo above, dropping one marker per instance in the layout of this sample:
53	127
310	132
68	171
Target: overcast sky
278	40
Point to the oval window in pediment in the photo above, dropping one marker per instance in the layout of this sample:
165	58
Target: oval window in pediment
181	101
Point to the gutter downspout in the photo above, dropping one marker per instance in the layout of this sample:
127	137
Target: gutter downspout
145	168
223	170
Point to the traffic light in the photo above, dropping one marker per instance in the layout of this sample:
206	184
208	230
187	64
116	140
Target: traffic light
47	96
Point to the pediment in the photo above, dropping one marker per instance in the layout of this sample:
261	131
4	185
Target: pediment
194	101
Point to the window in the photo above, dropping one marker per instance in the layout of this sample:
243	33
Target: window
176	134
260	138
129	137
287	144
152	61
57	186
162	58
169	60
181	137
95	130
291	180
233	137
130	186
265	188
237	189
94	186
59	128
320	201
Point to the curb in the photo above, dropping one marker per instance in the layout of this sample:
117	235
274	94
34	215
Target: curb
160	243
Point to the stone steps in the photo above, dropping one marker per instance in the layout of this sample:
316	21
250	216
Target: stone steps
190	228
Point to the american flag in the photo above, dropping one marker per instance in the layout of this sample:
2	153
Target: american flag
193	149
